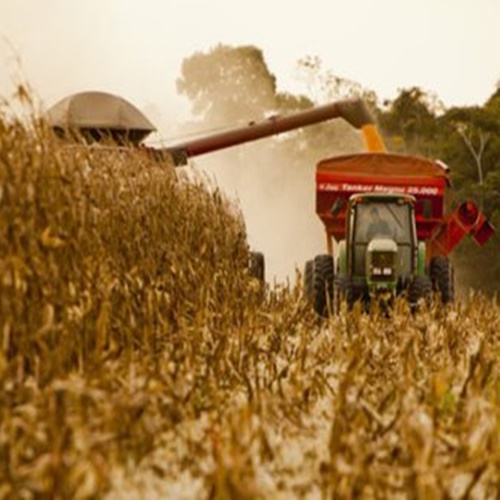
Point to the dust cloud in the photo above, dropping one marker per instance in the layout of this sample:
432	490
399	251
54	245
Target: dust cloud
273	182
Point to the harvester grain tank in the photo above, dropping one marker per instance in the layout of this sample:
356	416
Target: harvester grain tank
404	196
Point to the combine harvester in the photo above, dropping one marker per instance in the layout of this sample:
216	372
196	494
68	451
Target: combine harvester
388	225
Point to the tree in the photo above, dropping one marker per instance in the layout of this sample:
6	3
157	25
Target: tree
409	121
471	131
325	85
228	84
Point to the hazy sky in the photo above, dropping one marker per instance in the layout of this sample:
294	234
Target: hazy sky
135	48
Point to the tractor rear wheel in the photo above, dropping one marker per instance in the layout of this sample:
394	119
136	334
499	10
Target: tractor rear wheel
323	277
441	272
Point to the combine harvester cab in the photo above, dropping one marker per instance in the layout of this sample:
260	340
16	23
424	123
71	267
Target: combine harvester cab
388	230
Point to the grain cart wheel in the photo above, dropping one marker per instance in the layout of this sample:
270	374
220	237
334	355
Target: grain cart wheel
442	278
420	290
257	268
323	277
308	281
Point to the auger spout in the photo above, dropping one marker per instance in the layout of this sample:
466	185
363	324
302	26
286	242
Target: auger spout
355	112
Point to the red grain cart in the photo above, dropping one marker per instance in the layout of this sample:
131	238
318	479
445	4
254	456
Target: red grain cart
411	255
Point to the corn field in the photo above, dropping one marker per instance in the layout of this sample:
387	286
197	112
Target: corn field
139	358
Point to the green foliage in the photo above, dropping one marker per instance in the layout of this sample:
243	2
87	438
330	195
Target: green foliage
409	121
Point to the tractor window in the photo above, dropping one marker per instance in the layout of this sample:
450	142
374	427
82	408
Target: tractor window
383	220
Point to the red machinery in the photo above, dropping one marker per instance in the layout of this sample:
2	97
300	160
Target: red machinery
339	182
340	177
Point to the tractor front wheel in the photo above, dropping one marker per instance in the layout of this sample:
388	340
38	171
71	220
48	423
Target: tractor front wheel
419	291
442	278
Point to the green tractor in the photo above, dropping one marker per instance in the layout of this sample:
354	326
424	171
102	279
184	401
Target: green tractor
380	258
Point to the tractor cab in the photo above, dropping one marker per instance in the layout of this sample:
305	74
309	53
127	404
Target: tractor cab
381	248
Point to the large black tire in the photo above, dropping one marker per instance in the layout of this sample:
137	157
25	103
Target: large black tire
308	281
323	277
442	278
419	292
257	267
